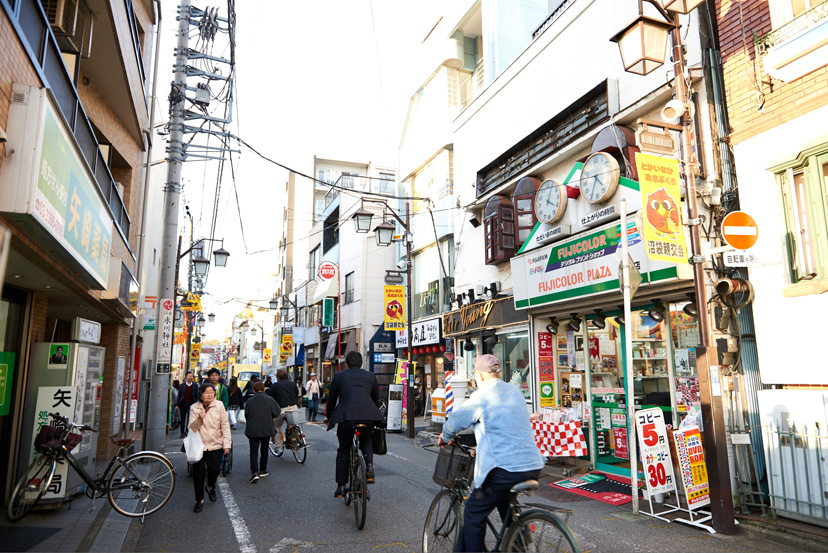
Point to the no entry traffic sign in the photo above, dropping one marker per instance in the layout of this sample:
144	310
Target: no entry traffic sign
739	230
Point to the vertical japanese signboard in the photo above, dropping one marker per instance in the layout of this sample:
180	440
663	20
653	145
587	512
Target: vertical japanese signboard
658	179
546	362
655	451
60	400
327	312
165	336
6	379
394	307
693	468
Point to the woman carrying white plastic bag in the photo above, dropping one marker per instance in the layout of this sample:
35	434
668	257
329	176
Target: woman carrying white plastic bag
208	419
194	447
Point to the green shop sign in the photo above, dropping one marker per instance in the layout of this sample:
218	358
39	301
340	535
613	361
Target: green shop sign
6	379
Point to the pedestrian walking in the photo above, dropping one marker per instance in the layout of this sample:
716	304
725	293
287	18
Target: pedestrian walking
221	390
209	419
268	383
312	389
287	395
187	396
260	410
247	393
235	402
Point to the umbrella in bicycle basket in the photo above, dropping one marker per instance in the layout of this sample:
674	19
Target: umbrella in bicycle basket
50	438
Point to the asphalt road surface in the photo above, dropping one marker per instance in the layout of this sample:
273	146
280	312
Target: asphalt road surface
293	509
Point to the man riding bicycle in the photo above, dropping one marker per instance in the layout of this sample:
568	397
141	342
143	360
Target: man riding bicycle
353	399
287	395
506	450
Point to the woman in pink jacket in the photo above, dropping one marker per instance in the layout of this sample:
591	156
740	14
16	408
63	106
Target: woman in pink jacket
209	419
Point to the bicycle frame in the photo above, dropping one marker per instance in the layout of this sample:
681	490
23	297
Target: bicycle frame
95	485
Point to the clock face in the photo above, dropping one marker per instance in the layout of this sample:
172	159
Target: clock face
550	201
599	177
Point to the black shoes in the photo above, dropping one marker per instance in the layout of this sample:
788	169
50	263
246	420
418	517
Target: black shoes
263	474
369	473
198	506
340	491
254	478
211	494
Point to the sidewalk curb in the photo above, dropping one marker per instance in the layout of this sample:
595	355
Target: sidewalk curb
783	536
94	528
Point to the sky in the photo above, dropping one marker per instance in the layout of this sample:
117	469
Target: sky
331	78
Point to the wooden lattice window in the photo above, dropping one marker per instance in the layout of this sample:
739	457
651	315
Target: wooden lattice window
499	222
524	202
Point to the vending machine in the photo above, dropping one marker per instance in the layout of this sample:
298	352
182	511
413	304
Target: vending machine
64	377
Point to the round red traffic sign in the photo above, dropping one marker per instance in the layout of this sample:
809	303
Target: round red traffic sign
327	270
739	230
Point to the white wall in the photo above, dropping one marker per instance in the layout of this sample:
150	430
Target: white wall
788	330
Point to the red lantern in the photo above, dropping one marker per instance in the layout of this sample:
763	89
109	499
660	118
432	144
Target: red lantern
433	349
404	352
416	351
443	347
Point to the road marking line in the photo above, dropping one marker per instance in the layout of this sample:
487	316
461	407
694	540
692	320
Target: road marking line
392	544
397	456
236	519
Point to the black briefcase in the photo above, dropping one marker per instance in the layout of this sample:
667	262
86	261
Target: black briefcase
378	442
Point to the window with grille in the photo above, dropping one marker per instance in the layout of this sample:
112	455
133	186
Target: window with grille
499	223
349	287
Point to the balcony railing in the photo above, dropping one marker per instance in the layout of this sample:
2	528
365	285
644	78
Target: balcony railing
36	35
790	29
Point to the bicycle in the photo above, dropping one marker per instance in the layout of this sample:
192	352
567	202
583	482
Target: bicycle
136	485
357	490
535	529
292	438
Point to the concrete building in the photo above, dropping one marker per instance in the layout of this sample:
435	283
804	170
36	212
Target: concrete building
74	110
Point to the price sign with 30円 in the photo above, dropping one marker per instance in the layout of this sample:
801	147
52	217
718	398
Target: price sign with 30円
655	451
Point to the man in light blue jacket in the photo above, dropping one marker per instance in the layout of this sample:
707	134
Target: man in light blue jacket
506	450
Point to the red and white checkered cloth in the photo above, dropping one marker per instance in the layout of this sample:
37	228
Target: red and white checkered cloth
560	440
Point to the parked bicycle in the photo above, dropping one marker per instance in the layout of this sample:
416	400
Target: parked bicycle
526	527
356	491
293	438
136	485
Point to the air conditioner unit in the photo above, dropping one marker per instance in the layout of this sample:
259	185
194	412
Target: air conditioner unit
62	15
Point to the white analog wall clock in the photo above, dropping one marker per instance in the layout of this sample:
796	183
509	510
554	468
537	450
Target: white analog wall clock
550	201
599	177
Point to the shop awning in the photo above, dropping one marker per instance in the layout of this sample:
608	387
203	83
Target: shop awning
330	351
326	289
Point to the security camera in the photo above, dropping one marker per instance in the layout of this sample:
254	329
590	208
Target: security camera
674	109
3	137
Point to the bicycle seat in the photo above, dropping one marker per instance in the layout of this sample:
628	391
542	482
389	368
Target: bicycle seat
529	485
122	442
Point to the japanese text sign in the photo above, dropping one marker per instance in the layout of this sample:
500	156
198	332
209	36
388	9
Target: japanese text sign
60	400
165	335
658	179
693	468
426	332
394	307
655	451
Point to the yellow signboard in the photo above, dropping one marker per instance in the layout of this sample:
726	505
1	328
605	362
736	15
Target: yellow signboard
195	352
285	348
192	302
395	308
267	355
231	360
658	178
222	366
693	467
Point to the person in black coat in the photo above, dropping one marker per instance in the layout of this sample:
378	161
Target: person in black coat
260	410
353	399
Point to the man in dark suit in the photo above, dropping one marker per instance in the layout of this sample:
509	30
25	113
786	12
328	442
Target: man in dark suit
353	399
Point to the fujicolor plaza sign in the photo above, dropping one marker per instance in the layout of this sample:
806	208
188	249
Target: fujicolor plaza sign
584	265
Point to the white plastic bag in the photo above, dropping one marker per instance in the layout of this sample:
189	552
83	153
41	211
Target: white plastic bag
194	446
241	417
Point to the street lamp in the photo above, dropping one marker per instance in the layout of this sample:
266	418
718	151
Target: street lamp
384	233
640	44
211	317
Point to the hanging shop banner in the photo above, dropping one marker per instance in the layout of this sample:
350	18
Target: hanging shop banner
693	468
394	307
328	312
195	353
488	314
655	451
60	400
658	179
620	443
584	266
426	332
192	302
286	348
401	338
268	353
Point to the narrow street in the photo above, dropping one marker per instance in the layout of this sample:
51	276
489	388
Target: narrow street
293	509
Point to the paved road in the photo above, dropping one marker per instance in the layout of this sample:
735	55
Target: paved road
293	509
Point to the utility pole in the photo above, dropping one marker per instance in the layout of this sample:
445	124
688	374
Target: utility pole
155	434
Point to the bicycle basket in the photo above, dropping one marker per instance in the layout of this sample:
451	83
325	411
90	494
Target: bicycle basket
50	438
296	416
453	464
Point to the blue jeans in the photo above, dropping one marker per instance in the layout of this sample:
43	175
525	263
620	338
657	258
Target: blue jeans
313	408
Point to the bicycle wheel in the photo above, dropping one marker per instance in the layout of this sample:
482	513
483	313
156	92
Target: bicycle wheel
141	484
31	487
540	531
299	447
360	488
443	523
276	452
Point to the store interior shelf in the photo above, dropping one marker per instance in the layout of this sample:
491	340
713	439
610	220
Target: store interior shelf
648	358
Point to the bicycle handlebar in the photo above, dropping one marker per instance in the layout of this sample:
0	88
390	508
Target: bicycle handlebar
71	424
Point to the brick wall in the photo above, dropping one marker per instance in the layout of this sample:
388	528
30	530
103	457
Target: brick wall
744	73
14	69
115	338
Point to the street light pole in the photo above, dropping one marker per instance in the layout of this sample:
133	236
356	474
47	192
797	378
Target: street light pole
408	290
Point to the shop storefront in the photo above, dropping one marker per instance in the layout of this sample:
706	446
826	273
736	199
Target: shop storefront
495	327
569	287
